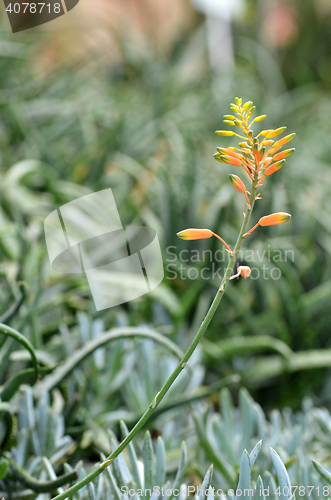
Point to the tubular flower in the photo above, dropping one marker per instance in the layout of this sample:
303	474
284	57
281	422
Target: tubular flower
271	220
274	167
201	234
230	160
284	154
278	144
195	234
274	219
237	183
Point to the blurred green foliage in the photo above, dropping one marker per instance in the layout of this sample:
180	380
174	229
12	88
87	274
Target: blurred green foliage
145	127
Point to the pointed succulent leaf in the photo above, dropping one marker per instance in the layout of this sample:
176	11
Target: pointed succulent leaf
259	489
148	459
322	471
283	477
270	485
223	438
244	488
247	412
254	453
226	404
181	467
160	472
203	489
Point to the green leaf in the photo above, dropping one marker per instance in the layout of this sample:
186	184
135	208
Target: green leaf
148	459
223	438
226	404
160	473
259	493
322	471
3	469
203	489
225	468
254	453
181	468
271	486
283	477
244	485
247	414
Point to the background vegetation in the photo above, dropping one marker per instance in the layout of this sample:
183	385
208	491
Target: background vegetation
144	124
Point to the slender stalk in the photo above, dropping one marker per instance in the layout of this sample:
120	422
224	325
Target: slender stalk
10	332
182	363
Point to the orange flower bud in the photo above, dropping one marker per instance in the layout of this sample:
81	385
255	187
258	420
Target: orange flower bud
274	167
230	160
195	234
244	271
278	131
280	143
229	152
283	154
274	219
237	183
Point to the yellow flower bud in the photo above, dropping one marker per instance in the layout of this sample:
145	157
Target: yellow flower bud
260	118
278	131
266	132
280	143
224	133
247	105
251	111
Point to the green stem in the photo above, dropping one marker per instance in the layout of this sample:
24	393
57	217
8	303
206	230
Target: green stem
10	332
40	486
14	308
181	365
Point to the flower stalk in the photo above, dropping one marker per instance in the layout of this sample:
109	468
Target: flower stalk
253	157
